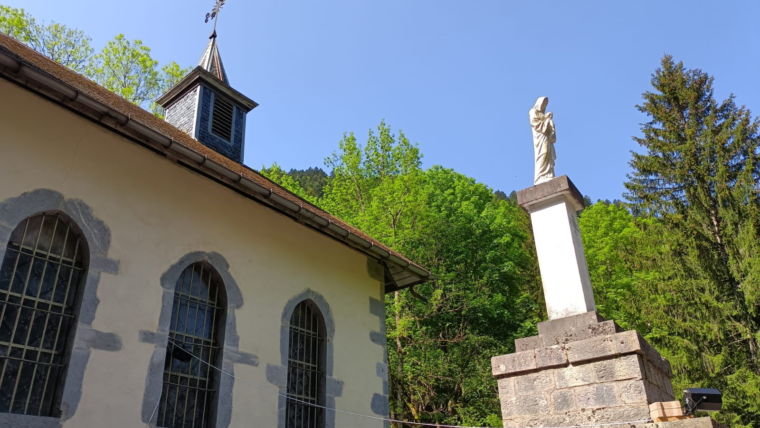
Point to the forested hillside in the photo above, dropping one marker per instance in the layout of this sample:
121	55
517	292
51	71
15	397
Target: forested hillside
678	260
442	334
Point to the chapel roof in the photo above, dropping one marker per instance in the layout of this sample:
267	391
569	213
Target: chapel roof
61	85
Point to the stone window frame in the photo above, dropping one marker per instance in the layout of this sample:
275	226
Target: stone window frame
277	375
72	240
216	337
230	352
97	237
303	330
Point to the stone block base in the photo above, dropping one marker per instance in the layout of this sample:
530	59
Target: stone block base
704	422
664	411
581	370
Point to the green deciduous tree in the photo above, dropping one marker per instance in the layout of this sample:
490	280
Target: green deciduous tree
481	299
68	46
276	174
126	68
123	66
171	74
376	186
442	334
16	23
610	237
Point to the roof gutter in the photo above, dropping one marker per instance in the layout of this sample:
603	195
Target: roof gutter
106	115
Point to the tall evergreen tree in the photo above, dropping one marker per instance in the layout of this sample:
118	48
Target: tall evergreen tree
697	175
313	180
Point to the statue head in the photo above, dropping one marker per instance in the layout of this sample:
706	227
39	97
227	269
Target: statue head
541	103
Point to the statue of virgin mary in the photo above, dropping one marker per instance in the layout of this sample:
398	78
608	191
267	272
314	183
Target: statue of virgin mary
544	137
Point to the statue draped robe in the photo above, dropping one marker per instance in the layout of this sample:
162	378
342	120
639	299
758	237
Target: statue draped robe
544	137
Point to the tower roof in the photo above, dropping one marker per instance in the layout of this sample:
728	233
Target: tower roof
211	61
210	70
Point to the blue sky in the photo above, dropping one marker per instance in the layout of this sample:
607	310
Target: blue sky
458	77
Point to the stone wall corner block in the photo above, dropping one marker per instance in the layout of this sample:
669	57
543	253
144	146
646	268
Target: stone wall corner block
505	365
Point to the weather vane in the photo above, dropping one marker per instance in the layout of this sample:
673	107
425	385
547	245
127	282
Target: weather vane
214	14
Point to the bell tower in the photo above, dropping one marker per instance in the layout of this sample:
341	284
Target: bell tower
204	105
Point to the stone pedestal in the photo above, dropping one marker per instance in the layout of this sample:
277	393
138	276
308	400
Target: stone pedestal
581	370
552	206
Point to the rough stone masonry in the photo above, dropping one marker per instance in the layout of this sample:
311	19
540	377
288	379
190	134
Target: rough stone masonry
580	370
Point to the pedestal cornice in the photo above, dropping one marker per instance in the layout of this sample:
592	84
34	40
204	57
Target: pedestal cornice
537	196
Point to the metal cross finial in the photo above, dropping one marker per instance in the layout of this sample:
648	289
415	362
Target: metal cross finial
214	14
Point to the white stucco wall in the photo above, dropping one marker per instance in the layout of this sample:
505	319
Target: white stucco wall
157	212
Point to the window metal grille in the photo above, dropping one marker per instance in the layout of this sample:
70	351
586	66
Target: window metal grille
189	394
40	278
221	118
306	368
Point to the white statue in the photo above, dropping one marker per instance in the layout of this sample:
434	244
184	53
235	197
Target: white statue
544	137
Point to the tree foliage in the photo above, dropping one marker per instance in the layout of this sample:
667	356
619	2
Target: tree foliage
68	46
610	235
647	278
125	67
122	66
279	176
313	180
683	270
699	175
441	334
478	248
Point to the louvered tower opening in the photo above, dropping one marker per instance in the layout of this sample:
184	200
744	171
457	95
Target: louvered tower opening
221	118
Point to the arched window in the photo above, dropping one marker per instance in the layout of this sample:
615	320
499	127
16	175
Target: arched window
41	275
306	368
189	394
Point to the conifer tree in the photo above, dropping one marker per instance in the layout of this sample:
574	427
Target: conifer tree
699	173
697	177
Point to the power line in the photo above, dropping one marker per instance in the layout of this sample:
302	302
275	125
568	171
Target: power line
377	418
